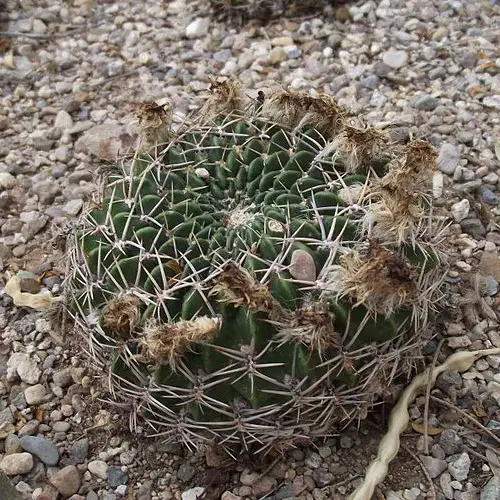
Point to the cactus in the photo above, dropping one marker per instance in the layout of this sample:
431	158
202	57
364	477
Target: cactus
261	274
264	10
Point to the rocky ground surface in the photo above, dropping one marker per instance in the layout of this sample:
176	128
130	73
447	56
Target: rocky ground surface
70	72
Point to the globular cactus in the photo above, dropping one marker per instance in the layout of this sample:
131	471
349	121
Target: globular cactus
260	275
265	10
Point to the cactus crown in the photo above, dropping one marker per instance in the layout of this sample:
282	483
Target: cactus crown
260	275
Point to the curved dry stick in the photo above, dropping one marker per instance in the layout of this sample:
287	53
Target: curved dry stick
399	419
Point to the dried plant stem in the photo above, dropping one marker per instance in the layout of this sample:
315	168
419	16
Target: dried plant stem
427	397
390	443
467	416
424	470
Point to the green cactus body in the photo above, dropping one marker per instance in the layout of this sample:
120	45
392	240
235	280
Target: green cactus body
224	246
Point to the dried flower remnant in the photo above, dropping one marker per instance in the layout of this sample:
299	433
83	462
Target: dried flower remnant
154	121
359	147
375	277
122	315
225	98
165	343
238	287
299	109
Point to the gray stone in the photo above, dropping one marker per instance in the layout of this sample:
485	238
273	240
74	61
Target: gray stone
6	429
395	59
35	394
460	210
381	70
44	449
286	491
115	68
370	82
193	493
322	478
292	52
459	467
145	490
127	457
467	187
28	371
79	176
449	157
491	178
491	491
33	227
437	73
8	490
29	428
186	472
6	416
79	450
39	140
67	481
247	477
62	378
12	444
313	460
116	477
7	180
63	153
106	141
426	102
445	483
437	451
339	82
61	426
474	227
489	196
63	120
59	170
17	463
72	207
98	468
277	55
491	286
466	137
198	28
449	380
492	101
450	441
345	442
467	59
433	465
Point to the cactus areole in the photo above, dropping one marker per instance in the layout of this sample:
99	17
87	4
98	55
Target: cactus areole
260	276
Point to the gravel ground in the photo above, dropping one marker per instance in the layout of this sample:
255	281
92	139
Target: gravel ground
69	73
